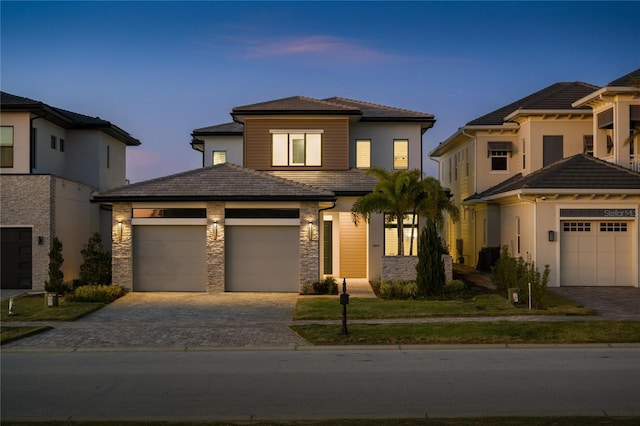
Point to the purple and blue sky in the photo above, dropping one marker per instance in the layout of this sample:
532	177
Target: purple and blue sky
161	69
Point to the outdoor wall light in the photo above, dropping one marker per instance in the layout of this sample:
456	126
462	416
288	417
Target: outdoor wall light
120	230
552	235
310	230
215	229
40	240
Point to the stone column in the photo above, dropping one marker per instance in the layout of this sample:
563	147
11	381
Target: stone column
215	247
121	246
309	244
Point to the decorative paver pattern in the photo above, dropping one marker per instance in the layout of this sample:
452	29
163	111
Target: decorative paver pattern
176	320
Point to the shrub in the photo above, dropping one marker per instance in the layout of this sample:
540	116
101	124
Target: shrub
98	293
55	282
455	290
96	265
326	286
430	276
401	290
510	272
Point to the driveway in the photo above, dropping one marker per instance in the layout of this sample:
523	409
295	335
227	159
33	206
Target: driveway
619	303
177	320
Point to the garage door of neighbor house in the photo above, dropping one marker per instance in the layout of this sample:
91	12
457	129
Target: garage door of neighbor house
262	258
596	253
15	258
169	258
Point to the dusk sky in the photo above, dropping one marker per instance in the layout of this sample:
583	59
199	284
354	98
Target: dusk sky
161	69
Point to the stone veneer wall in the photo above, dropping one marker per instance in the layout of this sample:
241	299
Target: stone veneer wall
27	201
215	248
309	248
404	267
121	246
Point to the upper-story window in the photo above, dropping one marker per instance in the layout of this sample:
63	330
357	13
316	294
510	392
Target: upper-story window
6	146
219	157
400	154
499	152
587	144
54	142
302	148
61	145
363	153
552	149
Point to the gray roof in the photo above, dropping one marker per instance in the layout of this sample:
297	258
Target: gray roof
295	105
225	129
345	182
222	182
579	172
558	96
375	112
629	80
64	118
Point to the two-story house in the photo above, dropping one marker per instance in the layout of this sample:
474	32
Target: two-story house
271	208
52	161
556	186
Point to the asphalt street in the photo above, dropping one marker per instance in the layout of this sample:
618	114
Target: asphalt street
314	383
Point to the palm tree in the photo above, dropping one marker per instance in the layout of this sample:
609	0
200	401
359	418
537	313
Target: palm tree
393	195
402	192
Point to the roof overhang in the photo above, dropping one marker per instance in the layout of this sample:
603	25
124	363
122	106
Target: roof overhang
521	112
466	132
188	198
599	95
556	191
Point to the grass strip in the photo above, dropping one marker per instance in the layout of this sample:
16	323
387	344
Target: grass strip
9	334
32	308
467	421
490	332
327	308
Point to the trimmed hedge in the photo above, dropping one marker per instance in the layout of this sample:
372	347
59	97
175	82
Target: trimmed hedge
98	293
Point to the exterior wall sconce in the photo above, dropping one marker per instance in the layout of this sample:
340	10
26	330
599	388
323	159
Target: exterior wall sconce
552	235
120	230
40	240
215	229
310	230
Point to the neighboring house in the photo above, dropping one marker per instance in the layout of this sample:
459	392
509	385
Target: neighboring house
52	161
555	186
271	208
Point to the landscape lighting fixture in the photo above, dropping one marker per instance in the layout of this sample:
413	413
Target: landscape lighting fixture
310	230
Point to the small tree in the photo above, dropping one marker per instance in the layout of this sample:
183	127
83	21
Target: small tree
96	266
55	282
430	277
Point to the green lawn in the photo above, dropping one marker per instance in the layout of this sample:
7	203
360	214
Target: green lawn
32	308
9	334
325	308
492	332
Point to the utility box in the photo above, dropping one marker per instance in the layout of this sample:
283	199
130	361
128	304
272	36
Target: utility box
50	300
514	295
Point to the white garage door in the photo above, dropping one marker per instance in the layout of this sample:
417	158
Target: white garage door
596	253
262	258
169	258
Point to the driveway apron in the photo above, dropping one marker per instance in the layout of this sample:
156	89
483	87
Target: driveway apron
178	320
619	303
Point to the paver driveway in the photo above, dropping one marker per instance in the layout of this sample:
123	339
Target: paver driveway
177	320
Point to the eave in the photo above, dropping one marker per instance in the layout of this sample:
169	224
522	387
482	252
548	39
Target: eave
599	95
548	113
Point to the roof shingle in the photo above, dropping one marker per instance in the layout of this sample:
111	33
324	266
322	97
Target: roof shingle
222	182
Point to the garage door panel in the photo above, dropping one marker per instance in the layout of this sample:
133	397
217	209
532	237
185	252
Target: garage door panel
262	258
598	256
169	258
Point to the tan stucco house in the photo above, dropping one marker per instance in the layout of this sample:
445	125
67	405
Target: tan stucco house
270	210
554	177
52	161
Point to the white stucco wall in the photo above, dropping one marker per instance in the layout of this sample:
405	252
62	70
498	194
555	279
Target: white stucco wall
382	136
233	145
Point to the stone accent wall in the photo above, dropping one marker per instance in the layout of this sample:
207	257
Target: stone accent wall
404	267
309	248
121	246
215	247
27	201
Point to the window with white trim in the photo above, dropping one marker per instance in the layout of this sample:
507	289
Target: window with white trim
400	154
219	157
499	160
302	148
518	234
363	153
